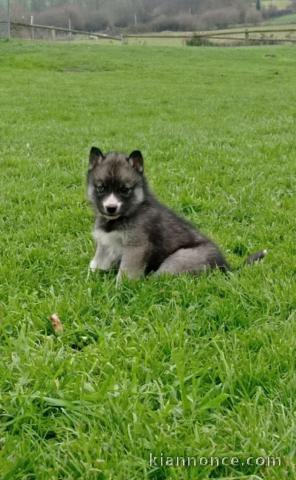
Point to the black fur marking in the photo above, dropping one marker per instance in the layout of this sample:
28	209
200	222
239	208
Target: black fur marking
136	160
95	156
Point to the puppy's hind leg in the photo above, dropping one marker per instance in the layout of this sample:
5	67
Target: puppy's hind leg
195	260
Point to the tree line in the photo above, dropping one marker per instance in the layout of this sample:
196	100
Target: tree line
142	15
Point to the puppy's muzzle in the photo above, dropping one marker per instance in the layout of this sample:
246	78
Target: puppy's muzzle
112	205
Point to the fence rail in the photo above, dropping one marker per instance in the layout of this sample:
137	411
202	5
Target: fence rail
214	33
238	36
284	33
33	27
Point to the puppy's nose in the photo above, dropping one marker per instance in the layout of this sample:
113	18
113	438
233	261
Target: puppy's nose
111	209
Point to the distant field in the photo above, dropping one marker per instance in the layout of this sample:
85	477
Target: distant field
284	20
276	3
186	366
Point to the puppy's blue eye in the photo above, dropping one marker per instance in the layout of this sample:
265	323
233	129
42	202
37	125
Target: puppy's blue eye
125	191
100	189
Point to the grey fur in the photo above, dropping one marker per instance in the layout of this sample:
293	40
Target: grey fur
143	235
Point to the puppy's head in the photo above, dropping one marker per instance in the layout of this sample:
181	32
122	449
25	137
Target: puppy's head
116	185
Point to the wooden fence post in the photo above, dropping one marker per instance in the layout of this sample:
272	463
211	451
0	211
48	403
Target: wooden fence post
32	28
246	36
8	20
70	29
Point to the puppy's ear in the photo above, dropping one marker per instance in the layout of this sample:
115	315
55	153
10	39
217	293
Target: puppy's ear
136	161
95	157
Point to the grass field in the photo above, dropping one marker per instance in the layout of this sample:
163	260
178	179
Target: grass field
174	366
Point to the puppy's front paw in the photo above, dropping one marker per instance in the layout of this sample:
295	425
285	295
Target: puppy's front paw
93	266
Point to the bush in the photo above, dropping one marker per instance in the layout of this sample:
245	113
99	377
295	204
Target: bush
95	21
253	17
197	41
221	17
59	16
273	12
165	22
81	19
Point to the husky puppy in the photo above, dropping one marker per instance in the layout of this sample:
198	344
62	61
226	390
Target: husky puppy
134	231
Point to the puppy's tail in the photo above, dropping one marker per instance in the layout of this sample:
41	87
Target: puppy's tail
256	257
250	260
